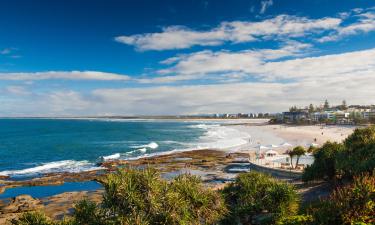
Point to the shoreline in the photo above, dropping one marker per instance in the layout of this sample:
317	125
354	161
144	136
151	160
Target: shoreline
216	167
260	133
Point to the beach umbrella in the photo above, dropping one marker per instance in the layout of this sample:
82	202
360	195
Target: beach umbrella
262	147
286	144
273	146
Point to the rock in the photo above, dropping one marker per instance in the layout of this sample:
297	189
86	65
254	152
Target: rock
22	203
4	177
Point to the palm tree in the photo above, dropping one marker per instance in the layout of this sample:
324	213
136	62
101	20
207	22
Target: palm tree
291	154
298	151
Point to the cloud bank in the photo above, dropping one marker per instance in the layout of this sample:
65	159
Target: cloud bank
180	37
64	75
347	76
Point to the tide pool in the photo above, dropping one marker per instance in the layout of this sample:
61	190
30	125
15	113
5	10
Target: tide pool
46	191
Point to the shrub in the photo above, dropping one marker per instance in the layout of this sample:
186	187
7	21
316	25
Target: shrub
359	154
256	196
353	204
142	197
324	166
86	212
32	218
296	220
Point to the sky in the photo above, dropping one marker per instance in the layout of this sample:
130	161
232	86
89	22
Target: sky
112	57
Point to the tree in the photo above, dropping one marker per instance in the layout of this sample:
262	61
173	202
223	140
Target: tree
326	105
298	151
324	166
312	149
359	154
293	109
343	105
291	155
311	108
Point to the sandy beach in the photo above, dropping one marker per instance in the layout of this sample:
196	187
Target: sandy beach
263	134
303	135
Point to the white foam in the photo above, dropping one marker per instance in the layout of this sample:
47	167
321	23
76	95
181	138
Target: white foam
221	137
111	157
151	145
214	137
71	166
143	150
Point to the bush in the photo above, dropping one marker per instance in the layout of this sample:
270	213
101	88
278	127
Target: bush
86	212
352	158
296	220
256	196
142	197
353	204
324	166
32	218
359	154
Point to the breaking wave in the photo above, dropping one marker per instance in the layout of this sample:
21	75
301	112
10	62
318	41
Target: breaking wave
70	166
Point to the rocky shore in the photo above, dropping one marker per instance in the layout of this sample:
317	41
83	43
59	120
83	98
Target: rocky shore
216	168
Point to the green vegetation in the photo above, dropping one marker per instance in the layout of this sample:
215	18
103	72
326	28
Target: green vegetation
352	204
324	166
296	220
359	153
33	218
142	197
298	151
337	161
258	197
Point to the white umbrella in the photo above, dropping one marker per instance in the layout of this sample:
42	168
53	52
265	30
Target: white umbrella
273	146
286	144
262	147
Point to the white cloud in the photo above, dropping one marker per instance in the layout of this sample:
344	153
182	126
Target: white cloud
200	64
335	77
179	37
265	5
191	99
261	64
364	24
16	90
68	75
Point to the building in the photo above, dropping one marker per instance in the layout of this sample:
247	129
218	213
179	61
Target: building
370	114
293	117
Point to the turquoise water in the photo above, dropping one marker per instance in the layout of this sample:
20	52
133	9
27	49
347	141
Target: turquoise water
31	147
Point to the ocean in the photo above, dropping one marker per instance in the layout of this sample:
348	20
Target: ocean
33	147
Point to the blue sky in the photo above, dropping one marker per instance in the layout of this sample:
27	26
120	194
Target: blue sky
183	57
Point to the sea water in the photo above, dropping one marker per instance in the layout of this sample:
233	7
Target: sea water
33	147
